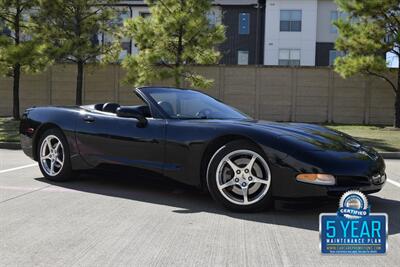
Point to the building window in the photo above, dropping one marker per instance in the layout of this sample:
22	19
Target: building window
334	17
333	54
290	21
122	14
289	57
243	57
244	23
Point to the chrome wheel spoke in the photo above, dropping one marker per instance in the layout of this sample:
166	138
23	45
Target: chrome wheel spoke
49	145
57	146
231	182
233	166
46	156
245	195
59	163
261	181
52	167
251	163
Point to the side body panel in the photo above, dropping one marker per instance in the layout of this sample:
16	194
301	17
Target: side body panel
108	139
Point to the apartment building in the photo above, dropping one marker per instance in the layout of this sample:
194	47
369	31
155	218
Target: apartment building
269	32
261	32
300	32
325	53
244	21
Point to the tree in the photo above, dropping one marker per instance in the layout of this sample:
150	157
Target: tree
371	30
176	35
69	28
18	51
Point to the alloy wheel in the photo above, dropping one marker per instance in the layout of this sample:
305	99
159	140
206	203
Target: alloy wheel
243	177
52	155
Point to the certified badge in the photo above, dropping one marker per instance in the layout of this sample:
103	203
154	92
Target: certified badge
353	229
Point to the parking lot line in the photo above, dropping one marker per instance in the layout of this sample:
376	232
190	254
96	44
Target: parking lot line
18	168
393	182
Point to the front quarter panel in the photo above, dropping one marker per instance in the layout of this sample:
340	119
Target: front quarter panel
188	140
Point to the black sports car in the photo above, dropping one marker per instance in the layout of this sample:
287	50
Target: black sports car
195	139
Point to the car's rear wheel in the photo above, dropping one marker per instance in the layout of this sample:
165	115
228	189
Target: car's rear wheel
239	178
53	156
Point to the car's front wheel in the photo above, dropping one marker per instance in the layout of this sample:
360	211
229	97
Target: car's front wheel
238	177
53	156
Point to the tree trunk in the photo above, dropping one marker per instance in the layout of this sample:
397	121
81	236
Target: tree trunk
397	102
178	61
17	74
79	83
177	79
17	66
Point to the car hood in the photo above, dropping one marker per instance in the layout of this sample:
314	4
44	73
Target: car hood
305	136
312	137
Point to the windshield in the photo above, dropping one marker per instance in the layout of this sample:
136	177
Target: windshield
189	104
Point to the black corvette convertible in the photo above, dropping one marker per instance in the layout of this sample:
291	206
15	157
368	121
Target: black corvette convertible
195	139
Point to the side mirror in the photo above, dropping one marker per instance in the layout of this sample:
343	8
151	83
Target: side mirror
127	112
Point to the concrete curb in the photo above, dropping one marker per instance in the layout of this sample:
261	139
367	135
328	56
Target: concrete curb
390	155
15	145
10	145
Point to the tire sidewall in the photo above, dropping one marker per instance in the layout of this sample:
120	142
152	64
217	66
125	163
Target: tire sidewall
264	203
66	171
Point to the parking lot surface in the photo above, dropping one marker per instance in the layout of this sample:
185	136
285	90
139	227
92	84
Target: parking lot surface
122	220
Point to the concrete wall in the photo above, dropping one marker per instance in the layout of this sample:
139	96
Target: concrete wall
306	94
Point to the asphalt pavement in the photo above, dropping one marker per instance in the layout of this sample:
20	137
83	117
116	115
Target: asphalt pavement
122	220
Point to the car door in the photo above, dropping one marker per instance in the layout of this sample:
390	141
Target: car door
107	138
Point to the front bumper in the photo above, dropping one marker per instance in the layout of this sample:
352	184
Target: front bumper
302	190
351	173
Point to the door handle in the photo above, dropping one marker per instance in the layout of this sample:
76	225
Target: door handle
88	118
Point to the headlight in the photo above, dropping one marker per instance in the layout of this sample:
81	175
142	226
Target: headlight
316	178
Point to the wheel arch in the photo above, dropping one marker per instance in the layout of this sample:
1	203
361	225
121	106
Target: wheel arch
213	147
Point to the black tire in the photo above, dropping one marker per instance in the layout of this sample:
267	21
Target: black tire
65	172
265	200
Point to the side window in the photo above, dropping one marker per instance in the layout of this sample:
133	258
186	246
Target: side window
244	23
168	102
290	20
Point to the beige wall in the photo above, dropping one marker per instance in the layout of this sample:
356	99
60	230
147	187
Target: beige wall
270	93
